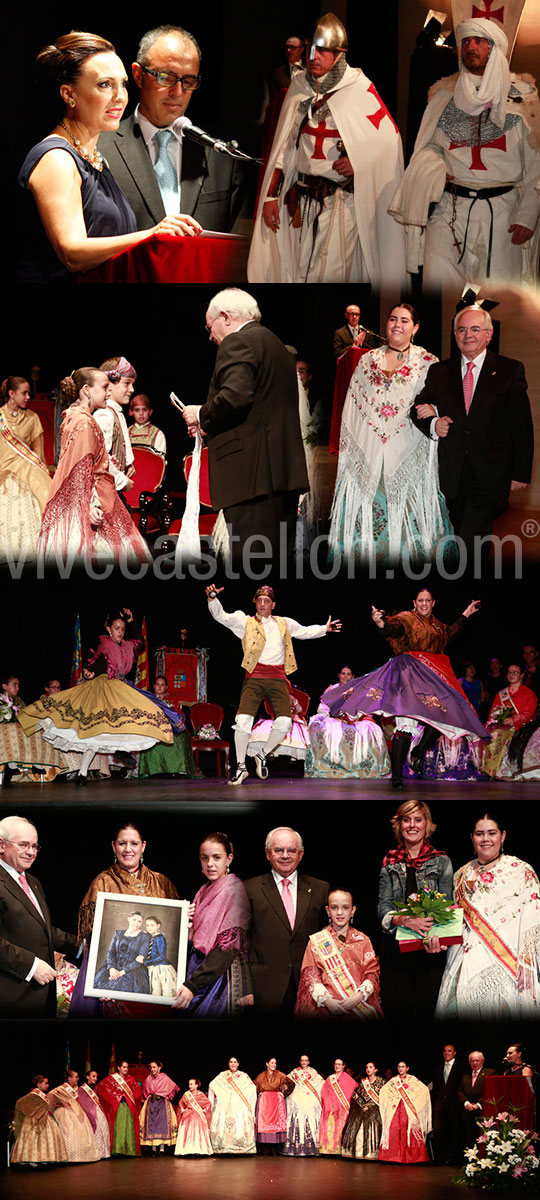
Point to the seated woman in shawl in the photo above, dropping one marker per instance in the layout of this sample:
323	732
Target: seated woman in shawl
216	983
346	745
513	706
340	971
161	973
125	969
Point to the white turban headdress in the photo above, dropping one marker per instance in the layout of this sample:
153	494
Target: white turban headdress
474	93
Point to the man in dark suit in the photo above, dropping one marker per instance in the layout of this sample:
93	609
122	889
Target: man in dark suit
28	940
469	1094
483	424
256	457
286	908
159	170
446	1107
353	334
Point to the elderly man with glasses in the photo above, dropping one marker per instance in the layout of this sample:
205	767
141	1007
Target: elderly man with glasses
161	172
28	940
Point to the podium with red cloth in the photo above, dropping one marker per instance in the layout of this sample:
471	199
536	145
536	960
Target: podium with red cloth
164	258
344	371
511	1094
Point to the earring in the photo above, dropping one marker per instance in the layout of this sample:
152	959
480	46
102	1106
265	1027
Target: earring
141	860
228	871
412	339
72	104
115	858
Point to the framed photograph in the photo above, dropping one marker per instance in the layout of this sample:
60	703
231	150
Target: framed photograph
138	949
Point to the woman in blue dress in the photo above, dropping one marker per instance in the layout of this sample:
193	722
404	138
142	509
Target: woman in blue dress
125	969
83	218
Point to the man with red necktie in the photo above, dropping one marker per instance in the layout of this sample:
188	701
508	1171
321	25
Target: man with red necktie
28	940
476	405
469	1094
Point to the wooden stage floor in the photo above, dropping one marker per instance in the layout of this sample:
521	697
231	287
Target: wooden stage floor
221	1178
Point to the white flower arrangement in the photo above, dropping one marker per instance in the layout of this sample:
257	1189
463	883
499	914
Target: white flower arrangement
503	1156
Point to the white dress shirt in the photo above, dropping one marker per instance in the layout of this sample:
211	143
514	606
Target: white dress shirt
174	149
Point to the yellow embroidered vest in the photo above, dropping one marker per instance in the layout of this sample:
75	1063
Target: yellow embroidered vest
254	641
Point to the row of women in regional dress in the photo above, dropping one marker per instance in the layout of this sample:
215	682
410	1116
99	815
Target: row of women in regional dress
299	1114
494	971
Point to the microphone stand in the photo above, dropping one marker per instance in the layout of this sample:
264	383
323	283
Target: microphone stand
231	148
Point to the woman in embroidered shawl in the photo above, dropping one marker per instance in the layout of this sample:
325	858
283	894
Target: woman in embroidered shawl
362	1133
85	518
24	479
158	1117
496	971
304	1111
121	1097
194	1112
335	1103
127	876
233	1096
387	504
216	984
513	706
72	1120
37	1136
340	970
271	1111
104	714
410	982
406	1118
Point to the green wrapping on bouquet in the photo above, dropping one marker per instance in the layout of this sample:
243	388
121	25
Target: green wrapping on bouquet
449	934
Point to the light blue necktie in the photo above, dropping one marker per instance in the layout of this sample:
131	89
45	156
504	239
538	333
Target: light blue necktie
166	174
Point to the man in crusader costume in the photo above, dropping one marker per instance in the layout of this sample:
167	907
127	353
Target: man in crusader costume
469	197
335	163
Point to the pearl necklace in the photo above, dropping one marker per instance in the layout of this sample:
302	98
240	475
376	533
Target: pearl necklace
94	157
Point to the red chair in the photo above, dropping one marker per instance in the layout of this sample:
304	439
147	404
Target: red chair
208	714
301	697
208	519
144	497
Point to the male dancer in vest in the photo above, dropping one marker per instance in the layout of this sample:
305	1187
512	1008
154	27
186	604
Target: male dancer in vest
268	659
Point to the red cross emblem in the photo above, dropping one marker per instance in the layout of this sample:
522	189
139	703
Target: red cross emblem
320	132
382	112
487	11
476	163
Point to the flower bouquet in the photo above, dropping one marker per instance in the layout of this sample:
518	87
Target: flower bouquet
503	1157
8	710
447	919
500	715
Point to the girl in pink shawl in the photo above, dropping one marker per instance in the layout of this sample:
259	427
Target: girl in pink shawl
216	984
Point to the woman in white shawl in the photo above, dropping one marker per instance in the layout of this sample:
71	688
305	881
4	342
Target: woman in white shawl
387	504
495	973
233	1096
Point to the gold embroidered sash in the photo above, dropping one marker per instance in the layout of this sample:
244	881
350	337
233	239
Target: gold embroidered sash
310	1086
407	1099
125	1087
340	1093
336	968
239	1092
370	1091
20	447
488	936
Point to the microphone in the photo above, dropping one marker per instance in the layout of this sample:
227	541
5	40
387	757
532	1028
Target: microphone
204	139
